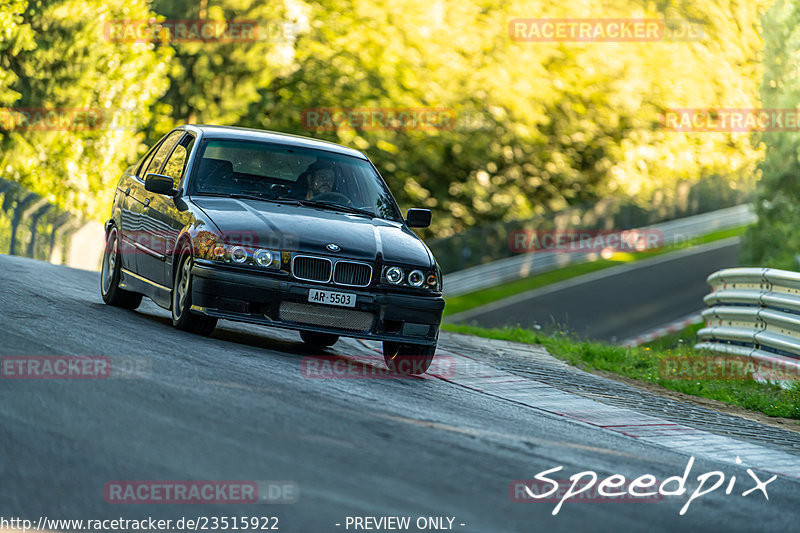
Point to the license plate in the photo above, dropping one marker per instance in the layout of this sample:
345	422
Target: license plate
345	299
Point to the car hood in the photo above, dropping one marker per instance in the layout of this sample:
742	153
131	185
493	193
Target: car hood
311	230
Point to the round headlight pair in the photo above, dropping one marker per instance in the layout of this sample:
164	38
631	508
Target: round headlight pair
394	275
263	258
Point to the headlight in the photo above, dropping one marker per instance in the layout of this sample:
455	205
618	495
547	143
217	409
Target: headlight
243	255
394	275
239	255
416	278
268	258
218	253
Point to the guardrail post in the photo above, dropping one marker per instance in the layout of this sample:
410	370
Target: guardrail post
19	214
34	230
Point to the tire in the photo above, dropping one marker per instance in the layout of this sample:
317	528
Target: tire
408	359
109	276
321	340
182	317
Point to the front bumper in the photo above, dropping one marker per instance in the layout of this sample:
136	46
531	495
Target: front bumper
238	294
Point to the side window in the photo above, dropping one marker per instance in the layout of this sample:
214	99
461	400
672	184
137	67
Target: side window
162	152
176	164
143	165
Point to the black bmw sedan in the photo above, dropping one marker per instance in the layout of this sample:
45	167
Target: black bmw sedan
267	228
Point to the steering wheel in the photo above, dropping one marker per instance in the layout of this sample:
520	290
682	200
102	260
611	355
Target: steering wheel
335	197
278	190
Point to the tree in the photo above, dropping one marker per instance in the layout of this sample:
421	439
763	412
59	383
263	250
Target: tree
558	124
15	36
774	241
216	80
76	73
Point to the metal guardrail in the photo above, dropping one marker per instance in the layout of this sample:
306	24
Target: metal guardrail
755	313
32	227
487	242
524	265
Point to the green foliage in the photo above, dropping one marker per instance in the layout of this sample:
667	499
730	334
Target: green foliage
537	126
74	67
215	82
15	36
774	240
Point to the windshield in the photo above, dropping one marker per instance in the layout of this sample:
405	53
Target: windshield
278	172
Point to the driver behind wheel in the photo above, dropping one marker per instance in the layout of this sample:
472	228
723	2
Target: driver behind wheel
322	183
321	179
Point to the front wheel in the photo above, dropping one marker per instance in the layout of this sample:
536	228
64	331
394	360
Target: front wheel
109	276
408	359
182	318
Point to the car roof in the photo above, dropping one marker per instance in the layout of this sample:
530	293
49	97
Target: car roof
210	131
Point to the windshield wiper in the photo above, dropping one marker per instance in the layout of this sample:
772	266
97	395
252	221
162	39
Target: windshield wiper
246	196
337	207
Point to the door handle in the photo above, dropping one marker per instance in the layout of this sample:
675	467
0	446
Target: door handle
147	202
127	191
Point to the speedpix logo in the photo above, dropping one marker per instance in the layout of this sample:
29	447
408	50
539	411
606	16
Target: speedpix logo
617	486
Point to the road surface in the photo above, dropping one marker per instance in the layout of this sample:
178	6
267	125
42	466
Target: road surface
616	303
244	405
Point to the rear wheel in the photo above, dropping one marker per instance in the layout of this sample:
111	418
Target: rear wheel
322	340
182	317
408	358
110	273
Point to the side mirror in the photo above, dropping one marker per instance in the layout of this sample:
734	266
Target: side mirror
418	218
159	184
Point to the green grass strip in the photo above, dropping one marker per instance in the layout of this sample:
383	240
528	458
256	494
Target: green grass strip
648	363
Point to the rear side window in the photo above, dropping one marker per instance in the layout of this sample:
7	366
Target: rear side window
144	163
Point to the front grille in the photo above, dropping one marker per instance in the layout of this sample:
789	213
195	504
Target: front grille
311	268
320	315
353	274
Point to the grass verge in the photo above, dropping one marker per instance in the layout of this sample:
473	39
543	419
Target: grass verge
645	363
465	302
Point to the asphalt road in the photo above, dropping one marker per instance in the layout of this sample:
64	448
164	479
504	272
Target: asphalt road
238	406
618	303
